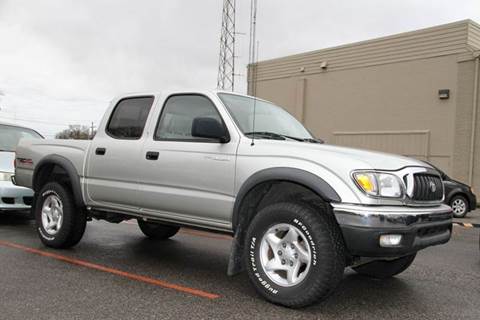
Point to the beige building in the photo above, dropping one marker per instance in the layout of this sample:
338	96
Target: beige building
414	93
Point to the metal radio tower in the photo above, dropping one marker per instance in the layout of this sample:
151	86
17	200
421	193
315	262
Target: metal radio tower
226	63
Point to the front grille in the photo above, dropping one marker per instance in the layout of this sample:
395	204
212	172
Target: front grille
8	200
28	200
427	187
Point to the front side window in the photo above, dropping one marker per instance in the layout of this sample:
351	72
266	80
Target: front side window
177	117
10	135
269	118
129	117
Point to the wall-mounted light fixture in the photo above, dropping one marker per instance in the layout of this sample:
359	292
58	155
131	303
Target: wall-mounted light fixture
444	94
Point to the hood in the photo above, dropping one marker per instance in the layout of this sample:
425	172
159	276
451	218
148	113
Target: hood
6	161
375	159
343	157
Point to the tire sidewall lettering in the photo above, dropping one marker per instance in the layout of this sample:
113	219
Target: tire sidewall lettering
255	267
303	228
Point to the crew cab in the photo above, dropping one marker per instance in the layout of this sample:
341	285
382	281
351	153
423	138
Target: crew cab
300	211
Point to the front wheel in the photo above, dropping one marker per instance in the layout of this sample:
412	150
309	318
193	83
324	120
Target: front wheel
459	206
382	269
295	254
60	224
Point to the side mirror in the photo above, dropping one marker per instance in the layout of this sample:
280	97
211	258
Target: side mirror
204	127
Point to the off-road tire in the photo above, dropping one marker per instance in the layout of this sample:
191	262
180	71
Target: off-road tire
157	231
327	253
383	269
74	219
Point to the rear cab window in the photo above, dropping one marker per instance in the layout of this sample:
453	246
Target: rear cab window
128	118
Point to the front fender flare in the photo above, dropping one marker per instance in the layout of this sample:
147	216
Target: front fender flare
240	222
302	177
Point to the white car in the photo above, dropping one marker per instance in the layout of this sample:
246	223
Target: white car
13	197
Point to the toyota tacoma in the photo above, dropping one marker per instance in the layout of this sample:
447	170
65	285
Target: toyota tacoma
300	211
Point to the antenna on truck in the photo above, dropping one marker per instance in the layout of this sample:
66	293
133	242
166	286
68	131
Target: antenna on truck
255	97
253	61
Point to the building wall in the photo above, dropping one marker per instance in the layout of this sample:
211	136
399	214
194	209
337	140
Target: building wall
390	107
463	126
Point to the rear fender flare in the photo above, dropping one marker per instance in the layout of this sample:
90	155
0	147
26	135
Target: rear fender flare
69	168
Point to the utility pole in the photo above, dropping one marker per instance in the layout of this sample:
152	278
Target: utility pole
226	63
92	130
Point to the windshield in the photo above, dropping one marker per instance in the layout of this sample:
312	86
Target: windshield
10	135
269	118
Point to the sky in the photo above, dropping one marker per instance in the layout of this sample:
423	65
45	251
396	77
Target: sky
62	61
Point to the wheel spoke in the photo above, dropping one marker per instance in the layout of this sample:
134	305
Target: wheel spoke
273	241
292	273
275	265
303	254
291	235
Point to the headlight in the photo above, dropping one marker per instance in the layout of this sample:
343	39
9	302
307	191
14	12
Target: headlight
379	184
6	176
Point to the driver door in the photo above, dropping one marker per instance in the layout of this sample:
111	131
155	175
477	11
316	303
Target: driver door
185	178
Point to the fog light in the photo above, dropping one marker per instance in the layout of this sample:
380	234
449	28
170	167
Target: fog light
390	240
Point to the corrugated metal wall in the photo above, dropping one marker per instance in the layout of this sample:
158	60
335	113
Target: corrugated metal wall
432	42
413	143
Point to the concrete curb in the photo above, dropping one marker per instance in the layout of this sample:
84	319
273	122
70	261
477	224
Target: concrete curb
467	225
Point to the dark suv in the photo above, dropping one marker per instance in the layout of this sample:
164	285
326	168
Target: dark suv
458	195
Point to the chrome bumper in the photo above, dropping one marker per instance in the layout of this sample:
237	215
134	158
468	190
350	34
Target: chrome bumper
420	227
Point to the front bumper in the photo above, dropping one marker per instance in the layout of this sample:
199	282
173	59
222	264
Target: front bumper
13	197
420	227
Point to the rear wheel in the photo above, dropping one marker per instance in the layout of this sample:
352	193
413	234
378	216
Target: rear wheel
295	254
459	206
60	224
382	269
156	230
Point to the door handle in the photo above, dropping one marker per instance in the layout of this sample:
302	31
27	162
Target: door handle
100	151
151	155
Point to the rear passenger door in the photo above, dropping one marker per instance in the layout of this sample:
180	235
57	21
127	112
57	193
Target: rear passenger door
113	163
185	178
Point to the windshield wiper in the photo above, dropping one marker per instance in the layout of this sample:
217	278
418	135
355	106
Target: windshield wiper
265	134
313	140
272	135
279	136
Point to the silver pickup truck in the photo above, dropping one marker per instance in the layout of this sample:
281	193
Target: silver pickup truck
300	211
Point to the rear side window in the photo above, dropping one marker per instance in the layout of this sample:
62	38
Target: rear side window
129	117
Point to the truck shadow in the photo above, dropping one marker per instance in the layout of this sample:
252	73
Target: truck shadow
355	293
15	218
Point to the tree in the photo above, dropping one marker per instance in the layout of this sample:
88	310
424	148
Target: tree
76	132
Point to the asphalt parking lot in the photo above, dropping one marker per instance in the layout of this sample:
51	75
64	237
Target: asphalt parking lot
116	273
